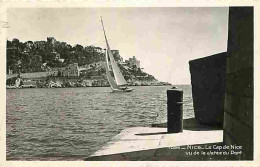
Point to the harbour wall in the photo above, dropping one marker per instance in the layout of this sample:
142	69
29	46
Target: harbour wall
223	87
208	76
238	114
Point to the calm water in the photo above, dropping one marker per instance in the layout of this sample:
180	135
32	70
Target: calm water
72	123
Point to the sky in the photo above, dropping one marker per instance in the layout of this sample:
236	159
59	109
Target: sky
163	39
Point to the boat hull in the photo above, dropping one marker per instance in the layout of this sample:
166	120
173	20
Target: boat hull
121	91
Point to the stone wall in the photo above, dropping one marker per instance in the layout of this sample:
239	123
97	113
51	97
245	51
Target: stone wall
208	88
238	114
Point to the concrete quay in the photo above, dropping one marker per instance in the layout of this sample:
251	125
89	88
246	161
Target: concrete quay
154	143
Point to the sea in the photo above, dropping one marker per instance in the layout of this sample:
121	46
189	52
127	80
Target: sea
72	123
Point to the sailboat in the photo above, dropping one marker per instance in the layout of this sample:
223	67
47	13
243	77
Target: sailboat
118	84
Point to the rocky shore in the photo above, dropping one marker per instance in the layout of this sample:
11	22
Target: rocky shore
66	82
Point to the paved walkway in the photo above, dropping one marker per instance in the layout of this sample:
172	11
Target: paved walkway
154	143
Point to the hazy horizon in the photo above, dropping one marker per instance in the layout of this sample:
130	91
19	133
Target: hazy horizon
163	39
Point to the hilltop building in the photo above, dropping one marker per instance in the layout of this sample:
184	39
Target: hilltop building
134	63
51	40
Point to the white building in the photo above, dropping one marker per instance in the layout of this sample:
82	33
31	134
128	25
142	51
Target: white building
72	70
134	62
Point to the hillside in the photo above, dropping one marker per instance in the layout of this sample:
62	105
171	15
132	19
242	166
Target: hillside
53	56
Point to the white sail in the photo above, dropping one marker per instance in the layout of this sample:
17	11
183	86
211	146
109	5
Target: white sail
110	79
120	80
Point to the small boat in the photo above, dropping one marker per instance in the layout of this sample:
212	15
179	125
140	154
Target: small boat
118	84
54	85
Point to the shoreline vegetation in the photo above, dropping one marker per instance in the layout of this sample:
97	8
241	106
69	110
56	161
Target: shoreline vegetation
55	64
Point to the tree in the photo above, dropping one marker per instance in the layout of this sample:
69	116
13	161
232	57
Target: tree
16	43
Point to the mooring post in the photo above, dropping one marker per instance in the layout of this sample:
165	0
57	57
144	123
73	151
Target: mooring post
174	110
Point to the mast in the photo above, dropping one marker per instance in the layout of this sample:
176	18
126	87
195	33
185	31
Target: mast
120	80
104	33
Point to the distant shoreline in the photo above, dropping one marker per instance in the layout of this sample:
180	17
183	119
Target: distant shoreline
12	87
31	80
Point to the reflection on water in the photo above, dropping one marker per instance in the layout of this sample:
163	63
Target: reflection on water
72	123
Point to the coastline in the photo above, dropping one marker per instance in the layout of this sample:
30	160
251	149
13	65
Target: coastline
78	86
19	82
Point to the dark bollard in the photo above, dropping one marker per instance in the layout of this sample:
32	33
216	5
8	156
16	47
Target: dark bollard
174	110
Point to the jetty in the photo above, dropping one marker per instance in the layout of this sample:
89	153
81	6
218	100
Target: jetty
155	143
